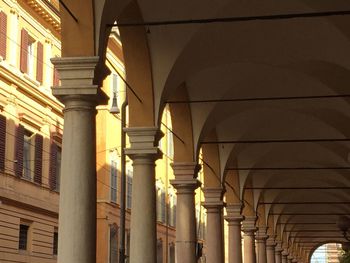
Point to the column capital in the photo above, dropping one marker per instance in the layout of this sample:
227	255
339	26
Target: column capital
233	213
77	75
143	143
185	176
290	257
271	242
261	235
285	252
213	198
248	225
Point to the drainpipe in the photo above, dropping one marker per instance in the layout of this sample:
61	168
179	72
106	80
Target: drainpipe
122	255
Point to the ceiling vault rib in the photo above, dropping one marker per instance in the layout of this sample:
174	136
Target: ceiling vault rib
297	188
233	19
312	214
261	99
304	203
278	141
306	223
287	168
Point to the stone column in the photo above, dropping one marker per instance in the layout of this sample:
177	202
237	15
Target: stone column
261	238
284	256
185	183
214	237
143	152
234	219
248	228
270	249
278	251
295	260
77	220
289	259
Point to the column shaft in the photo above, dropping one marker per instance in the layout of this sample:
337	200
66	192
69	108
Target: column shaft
143	231
261	249
278	256
214	238
234	219
234	242
143	235
249	247
270	254
186	237
77	221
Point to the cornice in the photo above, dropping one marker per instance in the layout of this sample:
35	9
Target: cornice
47	11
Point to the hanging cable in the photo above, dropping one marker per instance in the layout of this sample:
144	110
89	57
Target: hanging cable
233	19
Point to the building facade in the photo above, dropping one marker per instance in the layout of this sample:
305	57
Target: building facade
31	127
31	132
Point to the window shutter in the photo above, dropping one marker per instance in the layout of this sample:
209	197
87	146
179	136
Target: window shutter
39	62
52	171
24	51
2	141
55	78
19	150
3	34
38	164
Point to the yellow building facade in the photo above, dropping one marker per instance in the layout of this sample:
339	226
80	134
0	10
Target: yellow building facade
31	128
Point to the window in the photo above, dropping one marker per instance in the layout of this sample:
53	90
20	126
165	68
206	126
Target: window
113	244
162	206
114	180
58	168
129	189
127	246
23	237
170	146
55	166
159	251
30	56
171	253
55	242
172	210
28	155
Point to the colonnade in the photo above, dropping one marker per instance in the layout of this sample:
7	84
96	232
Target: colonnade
77	222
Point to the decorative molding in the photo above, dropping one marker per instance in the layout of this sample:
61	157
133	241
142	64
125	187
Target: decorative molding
47	11
28	119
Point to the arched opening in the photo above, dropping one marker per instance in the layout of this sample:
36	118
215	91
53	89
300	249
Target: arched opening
327	253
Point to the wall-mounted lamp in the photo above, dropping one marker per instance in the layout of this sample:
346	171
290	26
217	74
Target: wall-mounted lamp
114	109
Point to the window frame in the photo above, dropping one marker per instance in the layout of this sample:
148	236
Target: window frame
114	180
27	248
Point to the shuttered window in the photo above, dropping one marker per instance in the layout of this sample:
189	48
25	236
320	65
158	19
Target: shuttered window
129	189
114	180
2	141
55	167
38	158
19	150
113	244
27	155
39	62
3	34
52	172
24	51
